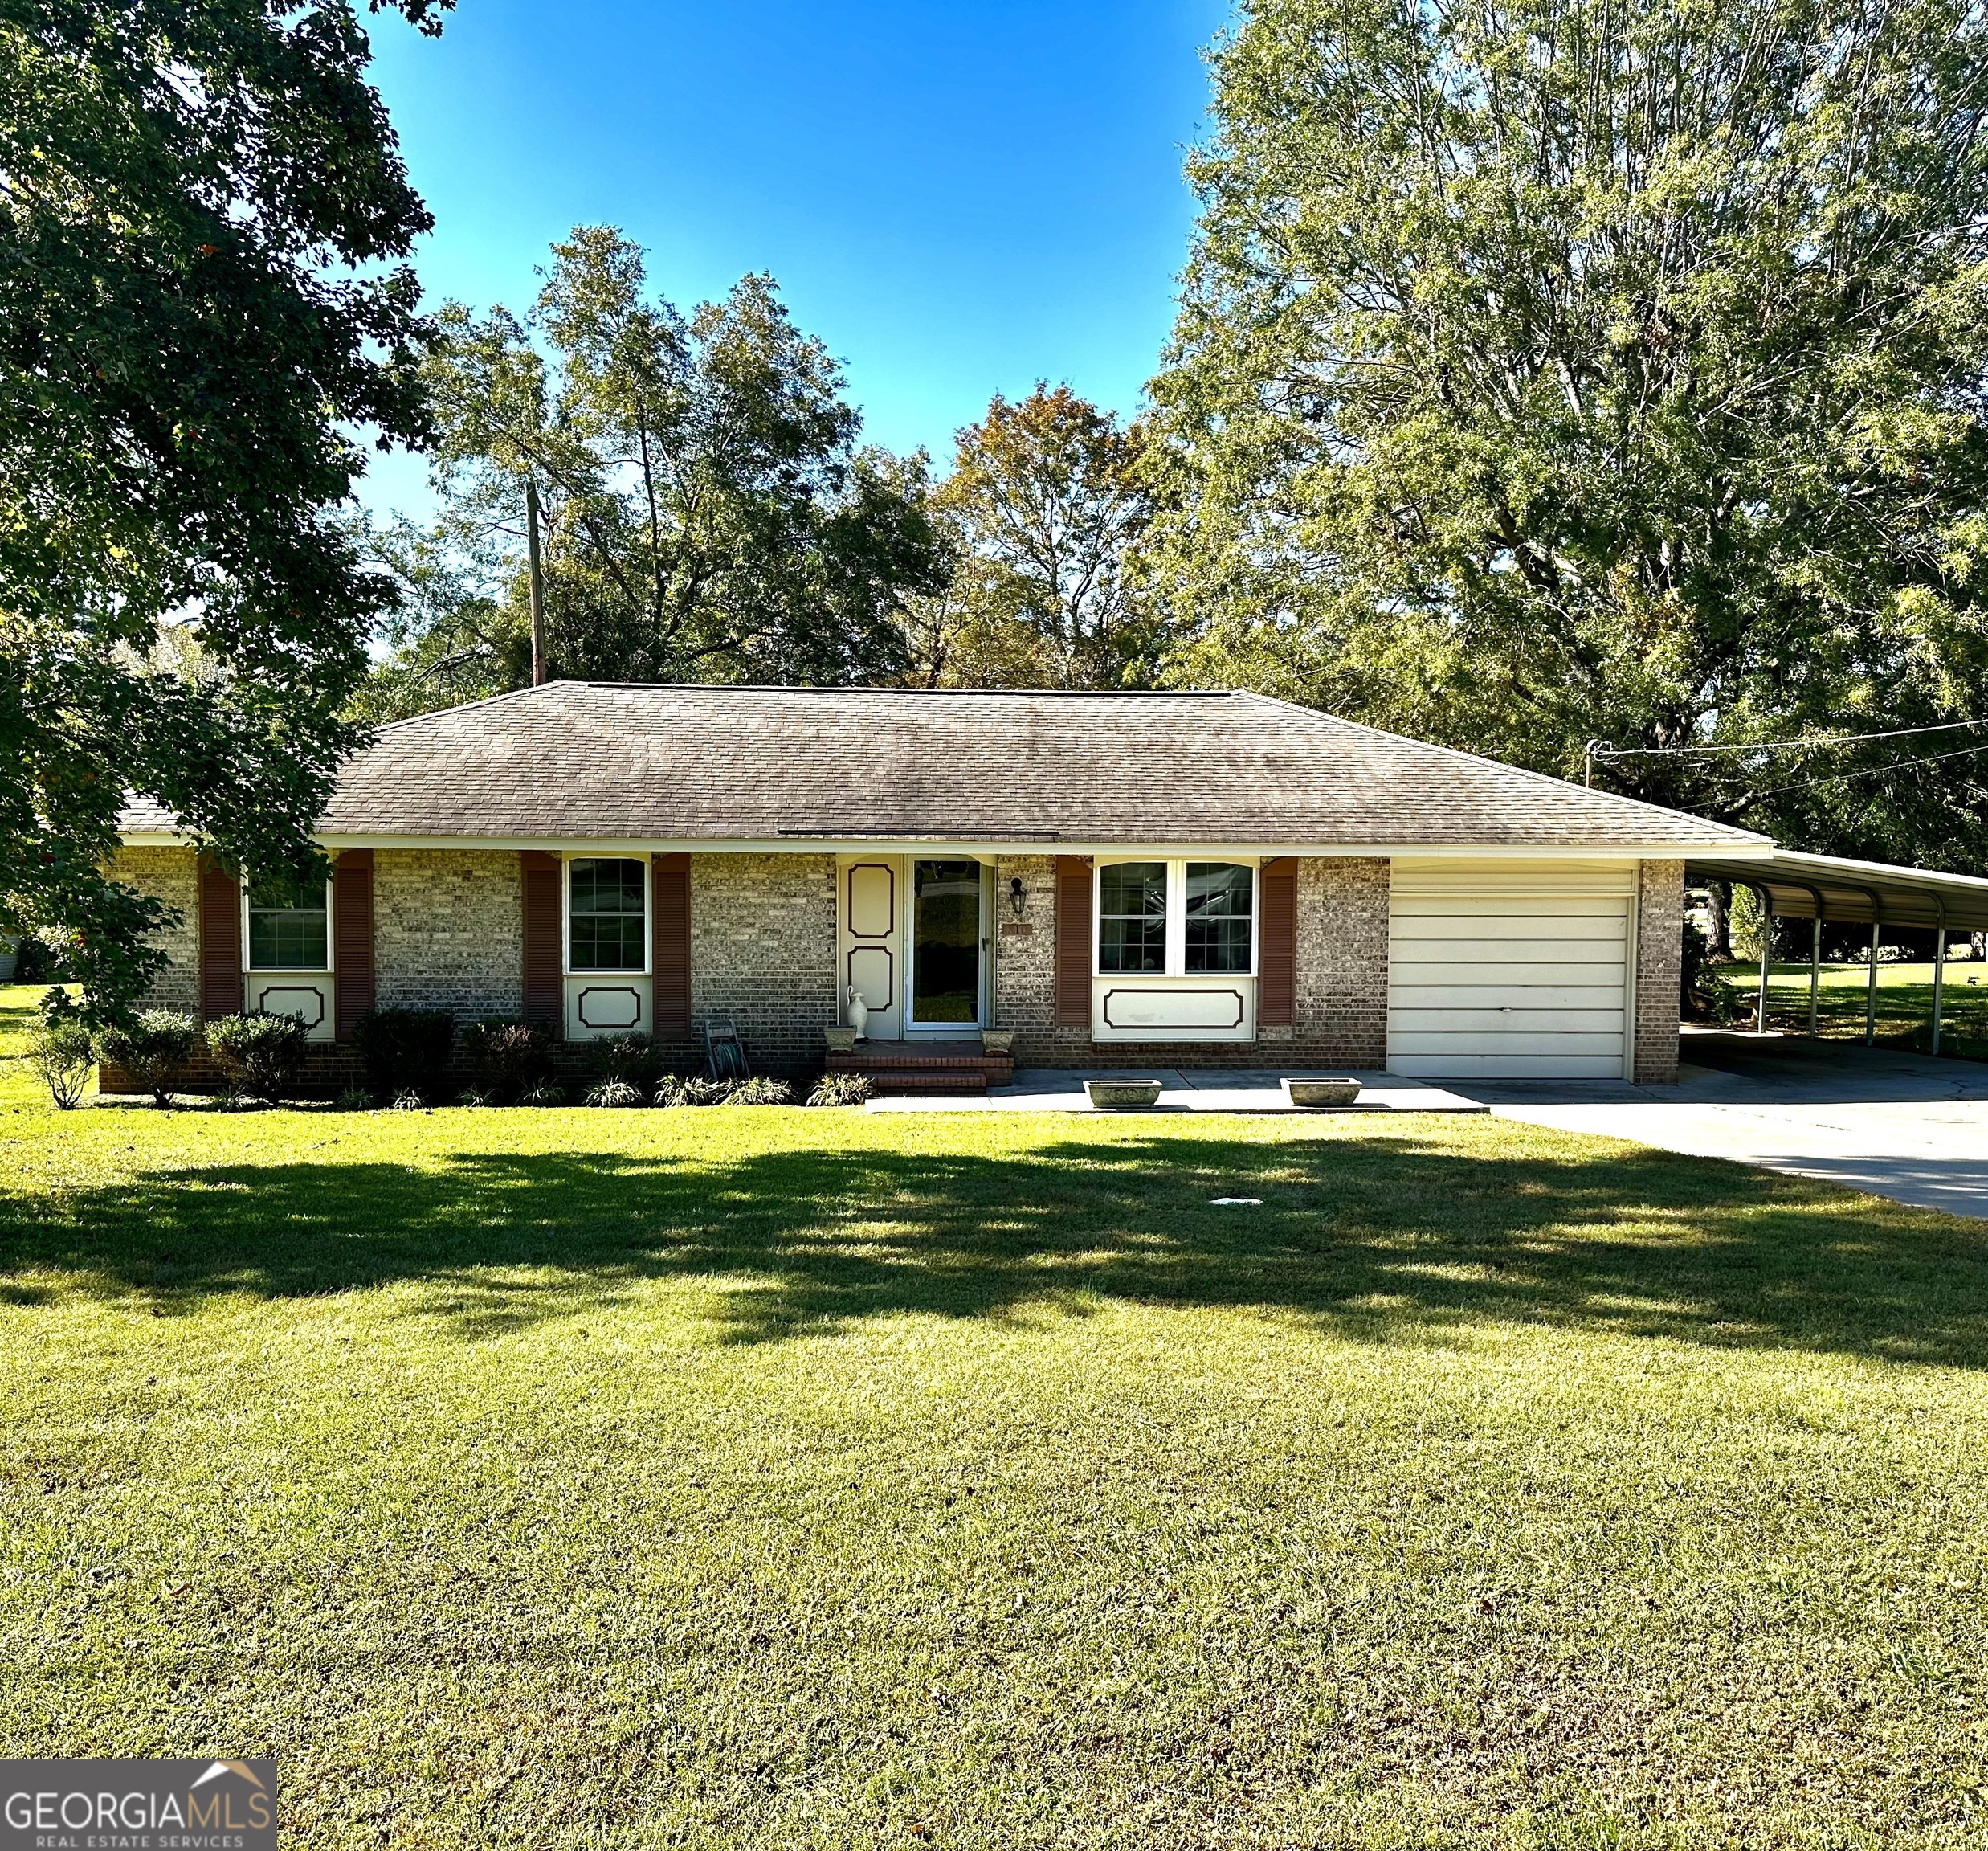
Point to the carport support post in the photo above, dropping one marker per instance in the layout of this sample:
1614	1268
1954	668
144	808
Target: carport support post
1766	951
1939	981
1870	990
1815	975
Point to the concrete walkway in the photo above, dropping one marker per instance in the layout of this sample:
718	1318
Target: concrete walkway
1053	1089
1902	1126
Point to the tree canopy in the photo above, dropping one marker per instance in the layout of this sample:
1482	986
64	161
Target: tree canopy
1548	370
1046	505
709	514
200	205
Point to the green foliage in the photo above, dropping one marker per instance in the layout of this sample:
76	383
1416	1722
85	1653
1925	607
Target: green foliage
631	1058
1548	371
762	1089
708	514
60	1053
200	212
1045	504
511	1059
617	1092
259	1056
152	1049
405	1050
840	1089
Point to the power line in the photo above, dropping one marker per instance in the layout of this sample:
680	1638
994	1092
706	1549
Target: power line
1868	771
1600	748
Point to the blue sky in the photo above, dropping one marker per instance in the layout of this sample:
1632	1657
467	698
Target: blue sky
960	199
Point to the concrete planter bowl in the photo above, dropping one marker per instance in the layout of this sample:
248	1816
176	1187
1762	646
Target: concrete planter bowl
1317	1093
1123	1095
997	1040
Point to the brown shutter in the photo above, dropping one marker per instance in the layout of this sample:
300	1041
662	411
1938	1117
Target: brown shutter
220	941
669	928
352	936
1074	934
1277	944
545	983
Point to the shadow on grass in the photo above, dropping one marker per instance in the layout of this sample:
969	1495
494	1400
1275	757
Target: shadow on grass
1388	1237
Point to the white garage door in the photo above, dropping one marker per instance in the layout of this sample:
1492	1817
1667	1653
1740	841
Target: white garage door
1510	971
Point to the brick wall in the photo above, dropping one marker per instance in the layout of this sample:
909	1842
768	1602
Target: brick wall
448	931
170	875
1660	953
762	954
1341	978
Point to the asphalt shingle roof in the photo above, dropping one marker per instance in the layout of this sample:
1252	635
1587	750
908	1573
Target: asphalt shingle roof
581	760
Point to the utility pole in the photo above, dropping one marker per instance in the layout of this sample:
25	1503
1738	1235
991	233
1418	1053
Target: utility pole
538	583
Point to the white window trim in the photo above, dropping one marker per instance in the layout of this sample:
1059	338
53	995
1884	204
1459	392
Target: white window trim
565	915
1176	867
251	968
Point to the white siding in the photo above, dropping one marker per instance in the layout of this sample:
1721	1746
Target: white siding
1510	971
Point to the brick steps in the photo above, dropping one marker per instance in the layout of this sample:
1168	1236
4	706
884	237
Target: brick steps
905	1069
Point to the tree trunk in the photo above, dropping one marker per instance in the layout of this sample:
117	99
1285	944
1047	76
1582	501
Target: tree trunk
1719	918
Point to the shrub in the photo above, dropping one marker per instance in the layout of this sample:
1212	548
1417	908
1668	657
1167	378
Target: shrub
762	1090
259	1055
513	1060
61	1056
616	1093
405	1050
545	1094
841	1090
353	1099
631	1059
690	1090
152	1050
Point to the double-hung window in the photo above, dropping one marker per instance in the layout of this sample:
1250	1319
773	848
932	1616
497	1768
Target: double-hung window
288	923
1176	918
607	915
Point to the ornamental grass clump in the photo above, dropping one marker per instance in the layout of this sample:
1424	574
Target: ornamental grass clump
259	1056
617	1092
681	1089
153	1049
60	1055
513	1062
841	1090
405	1050
762	1090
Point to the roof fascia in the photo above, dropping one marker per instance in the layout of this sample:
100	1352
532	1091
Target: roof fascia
1742	848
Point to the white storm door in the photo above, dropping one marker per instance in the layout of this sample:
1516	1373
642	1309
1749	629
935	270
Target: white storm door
1510	970
870	940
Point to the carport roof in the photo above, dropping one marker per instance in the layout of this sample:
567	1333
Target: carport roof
1854	892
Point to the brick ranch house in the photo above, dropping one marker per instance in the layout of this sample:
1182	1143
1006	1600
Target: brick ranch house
1121	879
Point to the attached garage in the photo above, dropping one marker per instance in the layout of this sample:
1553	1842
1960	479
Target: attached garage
1511	969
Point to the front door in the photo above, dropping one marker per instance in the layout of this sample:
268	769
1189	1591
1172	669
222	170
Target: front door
946	945
870	959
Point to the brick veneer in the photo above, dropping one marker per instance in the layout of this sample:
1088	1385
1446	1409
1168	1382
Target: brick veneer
448	931
762	954
1660	953
170	874
1341	1007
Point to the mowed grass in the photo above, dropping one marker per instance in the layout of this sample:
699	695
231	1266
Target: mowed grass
765	1478
1904	1000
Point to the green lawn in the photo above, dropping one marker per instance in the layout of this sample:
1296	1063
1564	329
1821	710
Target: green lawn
1904	1010
786	1478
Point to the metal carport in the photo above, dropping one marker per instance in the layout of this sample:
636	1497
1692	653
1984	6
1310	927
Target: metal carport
1827	887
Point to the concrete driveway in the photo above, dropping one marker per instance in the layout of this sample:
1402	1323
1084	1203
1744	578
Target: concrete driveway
1902	1126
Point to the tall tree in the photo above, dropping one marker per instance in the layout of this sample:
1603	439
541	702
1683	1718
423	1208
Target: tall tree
1551	370
1045	503
709	514
199	203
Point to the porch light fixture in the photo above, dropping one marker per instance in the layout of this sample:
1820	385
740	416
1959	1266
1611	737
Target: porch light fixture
1018	896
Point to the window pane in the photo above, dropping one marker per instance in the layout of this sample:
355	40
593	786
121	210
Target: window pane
1219	895
606	907
287	925
1132	916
